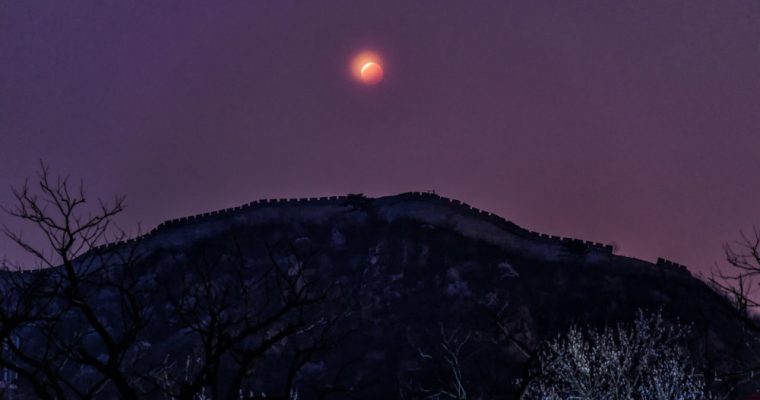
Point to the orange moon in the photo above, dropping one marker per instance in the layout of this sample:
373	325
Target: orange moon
371	73
367	67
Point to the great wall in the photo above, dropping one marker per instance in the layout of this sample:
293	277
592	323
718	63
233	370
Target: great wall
456	204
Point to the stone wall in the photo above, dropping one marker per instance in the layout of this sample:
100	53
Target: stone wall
428	196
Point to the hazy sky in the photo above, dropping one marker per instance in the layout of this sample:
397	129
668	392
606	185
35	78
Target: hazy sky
628	121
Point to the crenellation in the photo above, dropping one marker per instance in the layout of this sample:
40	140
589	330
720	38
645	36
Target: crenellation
422	195
672	266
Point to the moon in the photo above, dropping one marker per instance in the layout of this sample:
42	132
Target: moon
366	67
371	73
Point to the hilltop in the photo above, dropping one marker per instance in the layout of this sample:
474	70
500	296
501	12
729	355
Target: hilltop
425	207
410	272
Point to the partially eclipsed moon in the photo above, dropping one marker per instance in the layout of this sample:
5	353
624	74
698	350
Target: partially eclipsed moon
367	67
371	73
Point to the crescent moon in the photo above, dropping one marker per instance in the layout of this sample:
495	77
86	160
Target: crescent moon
367	65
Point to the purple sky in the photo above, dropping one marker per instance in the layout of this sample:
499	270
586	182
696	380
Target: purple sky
628	121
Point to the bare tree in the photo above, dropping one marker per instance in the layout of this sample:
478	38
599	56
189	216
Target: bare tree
738	281
85	323
236	320
512	328
442	362
644	361
58	340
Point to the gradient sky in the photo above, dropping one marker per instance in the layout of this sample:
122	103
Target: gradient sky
636	122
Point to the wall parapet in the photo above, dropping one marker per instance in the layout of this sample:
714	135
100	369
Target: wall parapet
511	226
454	203
671	265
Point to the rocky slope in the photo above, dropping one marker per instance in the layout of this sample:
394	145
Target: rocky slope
418	271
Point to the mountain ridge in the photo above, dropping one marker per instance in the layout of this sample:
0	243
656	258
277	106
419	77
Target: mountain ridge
409	270
406	198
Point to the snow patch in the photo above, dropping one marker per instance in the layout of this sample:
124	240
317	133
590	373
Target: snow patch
457	286
507	270
337	239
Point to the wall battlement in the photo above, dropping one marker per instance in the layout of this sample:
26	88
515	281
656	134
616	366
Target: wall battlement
670	265
511	226
456	204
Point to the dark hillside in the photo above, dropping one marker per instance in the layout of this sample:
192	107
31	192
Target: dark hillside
415	270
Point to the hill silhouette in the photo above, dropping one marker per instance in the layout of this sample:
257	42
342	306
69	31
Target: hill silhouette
408	273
